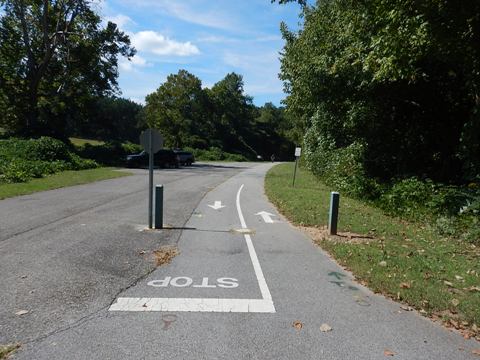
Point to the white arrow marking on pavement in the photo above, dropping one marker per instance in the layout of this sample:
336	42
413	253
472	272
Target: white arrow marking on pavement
217	205
266	216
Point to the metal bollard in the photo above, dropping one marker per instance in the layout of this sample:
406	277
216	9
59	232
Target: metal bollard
159	207
333	215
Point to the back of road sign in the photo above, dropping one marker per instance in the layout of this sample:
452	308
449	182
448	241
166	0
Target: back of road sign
298	152
154	135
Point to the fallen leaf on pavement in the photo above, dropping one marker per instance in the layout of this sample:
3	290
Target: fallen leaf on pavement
325	328
142	252
406	308
24	276
388	353
297	325
165	254
22	312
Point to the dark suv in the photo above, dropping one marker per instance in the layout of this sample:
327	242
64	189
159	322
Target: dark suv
185	157
162	158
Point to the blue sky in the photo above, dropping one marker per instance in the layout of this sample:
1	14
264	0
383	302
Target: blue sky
207	38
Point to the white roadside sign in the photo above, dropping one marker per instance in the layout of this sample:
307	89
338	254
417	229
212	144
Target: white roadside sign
298	152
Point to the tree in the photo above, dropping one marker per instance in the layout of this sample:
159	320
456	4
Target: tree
54	55
398	80
272	132
108	118
180	109
234	114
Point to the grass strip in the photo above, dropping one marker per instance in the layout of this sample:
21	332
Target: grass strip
59	180
437	275
80	142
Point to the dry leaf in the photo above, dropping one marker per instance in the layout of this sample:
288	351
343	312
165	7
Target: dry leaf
24	276
325	328
142	252
458	277
297	325
388	352
474	288
455	302
405	285
406	308
448	283
382	263
454	323
476	352
22	312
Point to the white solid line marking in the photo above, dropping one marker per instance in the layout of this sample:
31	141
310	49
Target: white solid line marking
264	305
193	305
253	255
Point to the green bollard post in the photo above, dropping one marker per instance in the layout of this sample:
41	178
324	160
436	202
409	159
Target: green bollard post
159	207
333	215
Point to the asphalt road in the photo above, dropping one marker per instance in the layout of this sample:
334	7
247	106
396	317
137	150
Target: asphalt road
77	261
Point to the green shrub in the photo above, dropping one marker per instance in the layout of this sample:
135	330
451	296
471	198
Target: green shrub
215	154
111	153
131	148
48	149
452	210
22	160
78	163
407	198
15	172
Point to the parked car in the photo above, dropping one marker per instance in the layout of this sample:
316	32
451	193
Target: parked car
162	158
185	157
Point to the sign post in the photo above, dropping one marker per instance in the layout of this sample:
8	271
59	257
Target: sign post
152	141
298	152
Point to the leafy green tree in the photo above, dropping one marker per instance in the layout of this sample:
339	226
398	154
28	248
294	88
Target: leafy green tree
179	108
54	55
398	80
272	133
234	114
109	118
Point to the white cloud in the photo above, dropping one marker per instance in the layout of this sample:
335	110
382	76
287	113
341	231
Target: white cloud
260	71
187	11
121	20
269	38
130	65
216	39
253	61
153	42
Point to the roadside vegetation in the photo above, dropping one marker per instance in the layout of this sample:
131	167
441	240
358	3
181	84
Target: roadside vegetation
23	160
6	350
28	166
411	261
